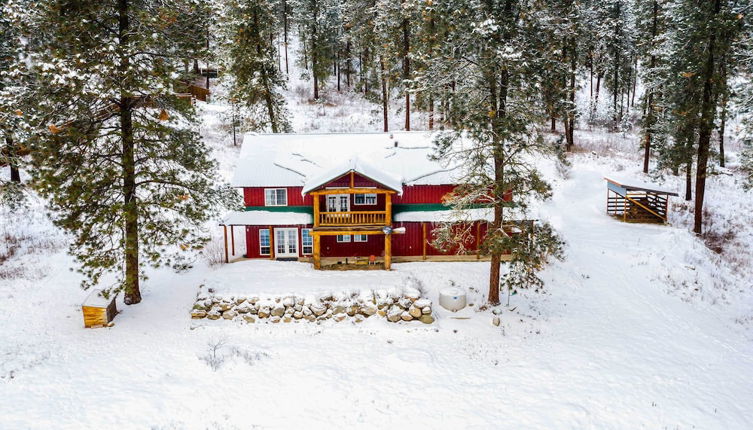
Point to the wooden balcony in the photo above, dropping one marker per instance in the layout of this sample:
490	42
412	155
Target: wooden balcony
343	219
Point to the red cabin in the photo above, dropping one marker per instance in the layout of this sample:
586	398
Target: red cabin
332	198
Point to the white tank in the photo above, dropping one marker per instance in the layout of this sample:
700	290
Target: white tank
452	298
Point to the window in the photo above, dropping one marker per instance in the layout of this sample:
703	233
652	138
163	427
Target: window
343	238
275	197
365	199
264	241
360	238
307	241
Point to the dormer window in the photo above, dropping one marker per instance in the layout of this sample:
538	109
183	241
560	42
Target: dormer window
275	197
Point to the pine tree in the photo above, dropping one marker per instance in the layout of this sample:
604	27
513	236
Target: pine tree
257	82
487	53
120	161
319	21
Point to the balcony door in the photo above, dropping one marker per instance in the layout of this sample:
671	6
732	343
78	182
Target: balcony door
338	203
286	242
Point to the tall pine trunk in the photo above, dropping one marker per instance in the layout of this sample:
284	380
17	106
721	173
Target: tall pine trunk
132	293
705	127
384	93
15	175
723	114
570	117
649	108
285	33
406	70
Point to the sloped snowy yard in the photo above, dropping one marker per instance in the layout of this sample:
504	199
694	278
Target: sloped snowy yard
641	327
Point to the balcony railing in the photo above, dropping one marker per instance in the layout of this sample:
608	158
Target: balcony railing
352	218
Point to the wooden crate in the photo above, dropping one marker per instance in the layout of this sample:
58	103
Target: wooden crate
97	310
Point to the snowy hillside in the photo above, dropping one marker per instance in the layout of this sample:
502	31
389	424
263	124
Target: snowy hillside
641	327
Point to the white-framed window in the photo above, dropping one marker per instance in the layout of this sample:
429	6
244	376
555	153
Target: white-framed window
343	238
361	238
307	241
275	197
264	241
365	199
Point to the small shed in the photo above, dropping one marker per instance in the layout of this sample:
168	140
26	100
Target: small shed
632	201
98	311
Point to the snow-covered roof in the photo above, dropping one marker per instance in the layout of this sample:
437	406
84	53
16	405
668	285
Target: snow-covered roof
96	300
360	166
477	214
267	218
305	160
633	185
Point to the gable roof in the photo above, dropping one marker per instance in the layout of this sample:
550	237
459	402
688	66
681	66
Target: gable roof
306	160
633	185
357	165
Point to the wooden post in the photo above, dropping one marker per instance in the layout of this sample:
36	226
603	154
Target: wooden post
387	251
478	238
423	228
317	251
224	229
352	179
271	243
388	209
232	239
316	209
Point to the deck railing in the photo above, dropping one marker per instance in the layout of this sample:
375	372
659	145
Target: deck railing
352	218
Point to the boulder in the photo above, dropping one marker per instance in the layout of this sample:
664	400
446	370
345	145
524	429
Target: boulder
243	309
229	314
414	312
496	321
253	309
426	310
198	314
382	313
422	303
426	319
338	309
252	300
352	310
306	311
369	310
287	318
278	311
405	302
405	316
225	306
288	301
318	309
339	317
299	301
239	300
360	318
213	315
249	318
310	318
298	308
297	315
275	320
264	312
394	314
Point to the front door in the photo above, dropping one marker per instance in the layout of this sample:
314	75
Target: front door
286	242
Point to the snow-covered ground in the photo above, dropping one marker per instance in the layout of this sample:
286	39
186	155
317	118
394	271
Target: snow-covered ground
642	326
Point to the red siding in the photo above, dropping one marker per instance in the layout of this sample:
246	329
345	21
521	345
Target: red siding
359	181
408	244
254	196
416	194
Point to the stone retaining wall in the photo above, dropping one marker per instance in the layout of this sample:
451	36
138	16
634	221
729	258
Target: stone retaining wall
406	306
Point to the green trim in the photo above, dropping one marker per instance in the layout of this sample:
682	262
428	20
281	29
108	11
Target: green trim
430	207
297	209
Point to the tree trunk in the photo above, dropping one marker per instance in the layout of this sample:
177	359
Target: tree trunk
723	114
689	180
431	112
649	107
132	294
704	129
384	93
570	117
15	175
347	64
337	69
406	70
553	127
596	95
285	33
268	101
